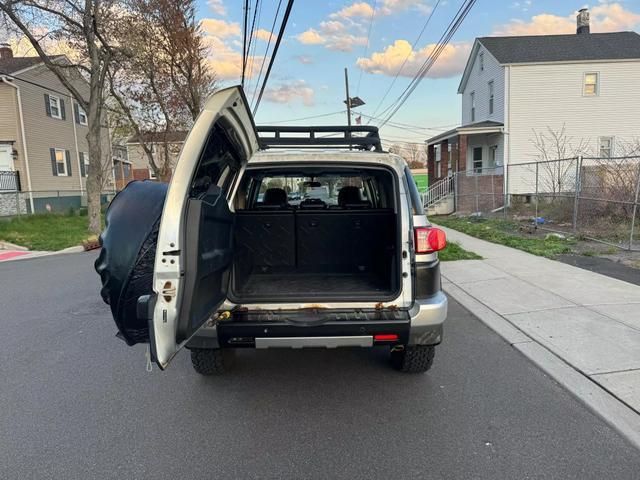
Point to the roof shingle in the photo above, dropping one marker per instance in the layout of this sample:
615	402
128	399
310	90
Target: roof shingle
15	64
562	48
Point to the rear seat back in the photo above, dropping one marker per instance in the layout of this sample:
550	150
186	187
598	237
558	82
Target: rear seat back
312	239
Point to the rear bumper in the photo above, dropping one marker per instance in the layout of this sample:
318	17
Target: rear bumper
427	318
421	325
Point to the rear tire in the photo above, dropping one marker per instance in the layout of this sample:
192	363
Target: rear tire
211	361
413	358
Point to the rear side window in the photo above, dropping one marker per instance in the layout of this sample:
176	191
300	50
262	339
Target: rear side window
416	200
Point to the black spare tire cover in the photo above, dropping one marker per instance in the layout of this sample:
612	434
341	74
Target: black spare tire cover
125	263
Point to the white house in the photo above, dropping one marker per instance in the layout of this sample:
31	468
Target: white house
515	87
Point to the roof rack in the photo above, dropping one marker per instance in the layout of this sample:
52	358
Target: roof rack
306	137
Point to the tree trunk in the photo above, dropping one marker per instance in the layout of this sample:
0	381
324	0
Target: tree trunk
94	139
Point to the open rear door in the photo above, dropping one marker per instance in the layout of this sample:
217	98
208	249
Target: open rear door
194	251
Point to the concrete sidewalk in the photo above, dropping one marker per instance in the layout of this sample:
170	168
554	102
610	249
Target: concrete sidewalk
588	320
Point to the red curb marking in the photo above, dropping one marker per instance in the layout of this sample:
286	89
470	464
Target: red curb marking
11	254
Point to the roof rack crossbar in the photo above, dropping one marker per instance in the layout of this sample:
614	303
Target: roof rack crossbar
344	138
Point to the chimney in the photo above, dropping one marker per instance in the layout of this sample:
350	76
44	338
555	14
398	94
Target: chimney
5	51
583	21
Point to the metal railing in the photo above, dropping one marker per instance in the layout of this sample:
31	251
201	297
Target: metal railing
9	181
439	190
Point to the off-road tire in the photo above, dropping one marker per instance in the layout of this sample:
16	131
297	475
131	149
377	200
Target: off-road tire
211	361
413	358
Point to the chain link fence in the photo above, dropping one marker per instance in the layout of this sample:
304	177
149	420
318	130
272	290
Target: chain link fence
595	198
16	203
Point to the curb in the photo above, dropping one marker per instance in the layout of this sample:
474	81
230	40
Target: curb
608	407
11	246
76	249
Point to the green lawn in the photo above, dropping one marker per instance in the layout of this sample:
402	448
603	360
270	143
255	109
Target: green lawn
454	251
505	233
45	232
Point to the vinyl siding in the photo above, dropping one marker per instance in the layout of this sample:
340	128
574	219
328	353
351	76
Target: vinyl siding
10	126
478	82
43	132
550	95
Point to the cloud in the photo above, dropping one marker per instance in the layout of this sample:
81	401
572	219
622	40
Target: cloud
358	9
607	17
217	6
264	35
286	93
220	28
451	61
304	59
334	35
311	37
397	6
227	62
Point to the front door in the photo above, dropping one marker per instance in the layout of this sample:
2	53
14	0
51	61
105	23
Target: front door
477	159
6	157
194	250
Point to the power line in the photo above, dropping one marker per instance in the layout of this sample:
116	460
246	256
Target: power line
283	25
341	112
244	39
254	32
266	51
430	61
366	47
424	27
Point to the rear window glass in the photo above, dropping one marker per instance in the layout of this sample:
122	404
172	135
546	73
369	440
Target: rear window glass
416	200
325	188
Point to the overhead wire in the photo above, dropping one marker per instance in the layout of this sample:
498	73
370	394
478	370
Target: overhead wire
430	61
404	62
366	46
283	25
253	38
244	39
340	112
266	51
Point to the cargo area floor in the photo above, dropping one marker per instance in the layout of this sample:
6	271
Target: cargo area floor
278	284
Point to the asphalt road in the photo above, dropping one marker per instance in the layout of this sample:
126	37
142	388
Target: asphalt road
75	402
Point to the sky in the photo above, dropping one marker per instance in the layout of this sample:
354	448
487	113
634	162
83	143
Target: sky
372	39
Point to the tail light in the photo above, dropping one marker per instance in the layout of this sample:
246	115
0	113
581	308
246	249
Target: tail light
428	239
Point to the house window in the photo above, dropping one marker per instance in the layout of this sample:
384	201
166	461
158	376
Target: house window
481	61
449	159
82	116
477	160
491	97
606	147
126	170
591	84
438	153
152	173
473	106
61	162
54	107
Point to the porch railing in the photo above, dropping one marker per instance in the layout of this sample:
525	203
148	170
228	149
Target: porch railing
439	190
9	181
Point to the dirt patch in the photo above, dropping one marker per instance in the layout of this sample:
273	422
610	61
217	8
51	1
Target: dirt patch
604	266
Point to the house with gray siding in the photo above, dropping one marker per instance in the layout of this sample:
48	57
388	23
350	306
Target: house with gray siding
43	130
513	88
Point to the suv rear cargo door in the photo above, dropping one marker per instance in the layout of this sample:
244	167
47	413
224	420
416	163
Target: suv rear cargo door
194	253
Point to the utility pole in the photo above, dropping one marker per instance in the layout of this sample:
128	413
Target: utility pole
348	100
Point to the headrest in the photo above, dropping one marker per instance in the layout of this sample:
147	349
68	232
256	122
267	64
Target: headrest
275	196
349	194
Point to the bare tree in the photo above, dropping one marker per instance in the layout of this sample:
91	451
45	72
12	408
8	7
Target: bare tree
85	25
554	151
413	153
162	79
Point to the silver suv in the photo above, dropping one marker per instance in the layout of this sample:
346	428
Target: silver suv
274	237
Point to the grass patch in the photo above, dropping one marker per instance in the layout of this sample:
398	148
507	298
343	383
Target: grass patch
506	233
454	251
45	232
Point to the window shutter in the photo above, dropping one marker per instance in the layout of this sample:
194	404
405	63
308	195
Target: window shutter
47	105
62	112
54	166
76	113
68	155
82	171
